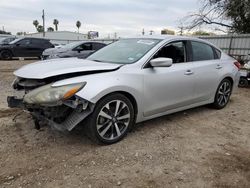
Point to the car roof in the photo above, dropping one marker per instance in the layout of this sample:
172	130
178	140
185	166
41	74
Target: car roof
167	37
173	37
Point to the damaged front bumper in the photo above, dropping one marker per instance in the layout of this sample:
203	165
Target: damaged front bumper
63	117
14	102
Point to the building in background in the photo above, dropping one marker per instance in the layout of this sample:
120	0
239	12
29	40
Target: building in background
167	32
60	37
93	34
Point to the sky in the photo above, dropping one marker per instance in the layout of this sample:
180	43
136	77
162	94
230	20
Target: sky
124	17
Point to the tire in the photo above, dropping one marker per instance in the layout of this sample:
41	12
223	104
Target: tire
243	82
111	119
6	55
223	94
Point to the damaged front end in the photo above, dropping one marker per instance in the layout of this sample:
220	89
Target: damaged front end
55	106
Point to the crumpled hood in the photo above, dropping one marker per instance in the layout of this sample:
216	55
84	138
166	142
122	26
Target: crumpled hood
55	67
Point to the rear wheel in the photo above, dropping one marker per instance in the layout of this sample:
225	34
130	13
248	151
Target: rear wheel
111	120
223	94
243	82
6	55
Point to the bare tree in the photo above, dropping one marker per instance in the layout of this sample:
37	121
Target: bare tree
232	15
212	12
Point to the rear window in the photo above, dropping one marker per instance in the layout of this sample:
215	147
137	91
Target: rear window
202	51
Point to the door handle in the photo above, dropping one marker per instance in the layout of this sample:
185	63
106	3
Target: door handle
219	67
189	72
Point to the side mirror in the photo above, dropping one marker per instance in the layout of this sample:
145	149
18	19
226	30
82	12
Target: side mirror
161	62
18	44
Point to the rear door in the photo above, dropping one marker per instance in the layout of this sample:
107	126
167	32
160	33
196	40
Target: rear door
207	67
37	47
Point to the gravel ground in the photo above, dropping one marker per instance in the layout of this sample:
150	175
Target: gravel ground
201	147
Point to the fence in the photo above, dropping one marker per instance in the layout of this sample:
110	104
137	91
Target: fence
237	46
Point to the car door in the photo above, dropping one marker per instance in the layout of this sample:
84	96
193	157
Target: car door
207	66
37	47
22	48
168	88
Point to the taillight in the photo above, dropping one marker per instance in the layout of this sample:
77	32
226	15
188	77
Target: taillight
237	64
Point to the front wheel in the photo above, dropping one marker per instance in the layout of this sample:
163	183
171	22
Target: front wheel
111	119
6	55
223	94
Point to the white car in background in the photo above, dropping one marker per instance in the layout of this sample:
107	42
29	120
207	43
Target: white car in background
126	82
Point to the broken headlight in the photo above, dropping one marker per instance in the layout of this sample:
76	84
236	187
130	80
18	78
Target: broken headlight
50	95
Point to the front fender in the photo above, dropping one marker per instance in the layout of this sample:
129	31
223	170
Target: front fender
100	85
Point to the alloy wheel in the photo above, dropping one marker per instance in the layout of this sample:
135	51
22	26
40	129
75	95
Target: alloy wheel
113	120
224	93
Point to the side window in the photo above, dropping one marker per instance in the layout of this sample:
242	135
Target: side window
47	43
97	46
25	42
37	42
85	46
202	51
174	50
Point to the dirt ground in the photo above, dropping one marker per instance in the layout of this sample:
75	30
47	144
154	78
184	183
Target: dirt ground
201	147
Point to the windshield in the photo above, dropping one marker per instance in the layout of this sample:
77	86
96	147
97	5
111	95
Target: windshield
71	45
124	51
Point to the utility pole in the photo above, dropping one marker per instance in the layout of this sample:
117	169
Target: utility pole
181	30
43	17
3	28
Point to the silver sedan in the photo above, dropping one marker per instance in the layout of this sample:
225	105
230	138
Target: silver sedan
129	81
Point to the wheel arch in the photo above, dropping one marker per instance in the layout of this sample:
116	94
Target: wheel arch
131	98
230	79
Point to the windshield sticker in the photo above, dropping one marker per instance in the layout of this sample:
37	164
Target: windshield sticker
147	42
131	59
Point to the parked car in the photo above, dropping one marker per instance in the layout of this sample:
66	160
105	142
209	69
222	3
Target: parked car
24	47
75	49
6	40
126	82
245	75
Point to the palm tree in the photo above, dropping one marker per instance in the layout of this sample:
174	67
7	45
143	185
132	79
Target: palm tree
35	23
78	25
50	29
56	22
